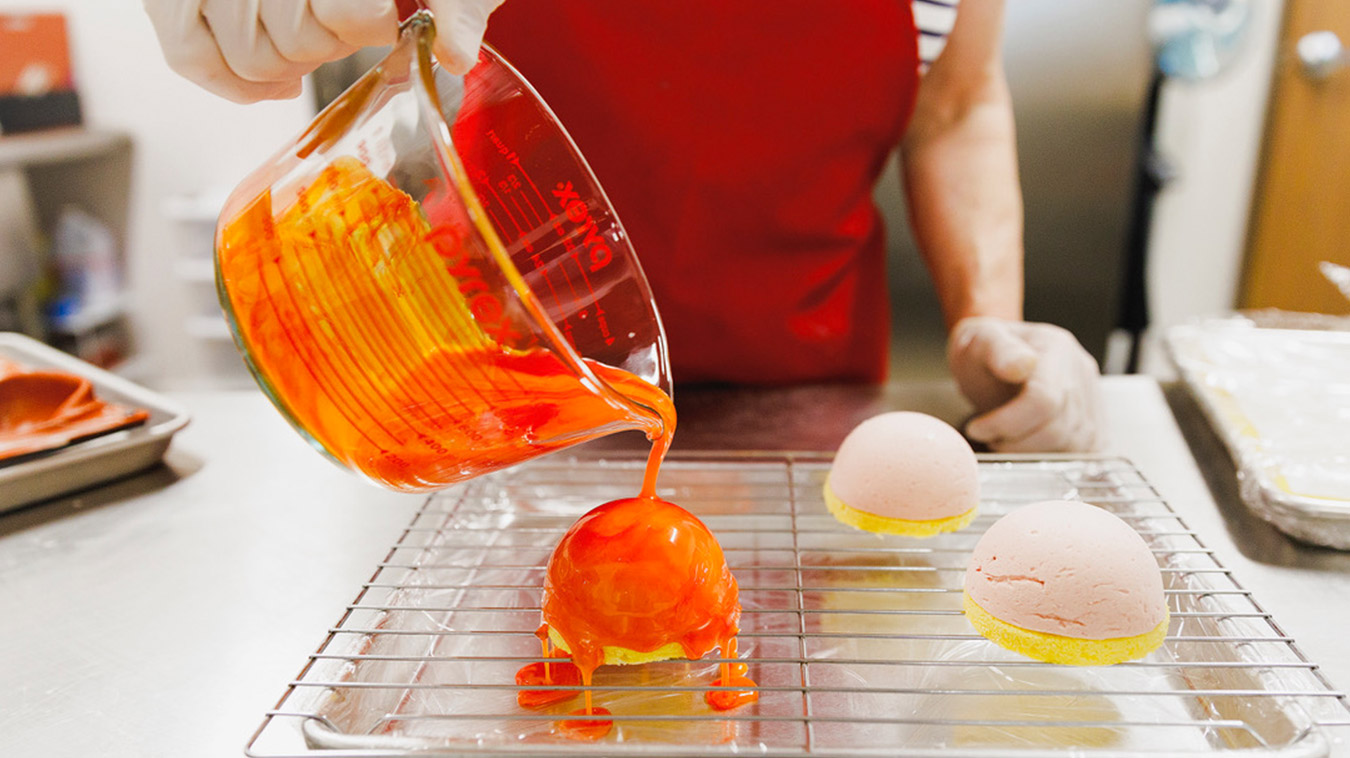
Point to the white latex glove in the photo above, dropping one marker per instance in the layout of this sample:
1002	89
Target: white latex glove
1035	389
250	50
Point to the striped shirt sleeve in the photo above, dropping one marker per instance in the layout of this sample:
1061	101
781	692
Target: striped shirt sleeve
934	19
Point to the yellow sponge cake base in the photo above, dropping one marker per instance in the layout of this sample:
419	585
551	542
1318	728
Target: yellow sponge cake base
622	656
870	522
1055	648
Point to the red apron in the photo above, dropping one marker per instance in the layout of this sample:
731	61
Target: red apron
739	143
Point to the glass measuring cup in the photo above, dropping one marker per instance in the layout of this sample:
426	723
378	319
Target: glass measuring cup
430	284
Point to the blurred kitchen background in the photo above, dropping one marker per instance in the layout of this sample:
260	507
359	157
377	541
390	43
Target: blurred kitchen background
1155	160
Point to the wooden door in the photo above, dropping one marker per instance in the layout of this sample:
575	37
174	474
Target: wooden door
1301	211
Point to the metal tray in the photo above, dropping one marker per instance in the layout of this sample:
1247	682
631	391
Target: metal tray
92	461
857	641
1280	401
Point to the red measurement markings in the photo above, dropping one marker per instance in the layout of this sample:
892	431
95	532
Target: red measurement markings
579	306
600	319
530	181
311	346
390	350
557	302
488	197
309	362
562	237
528	201
426	383
512	157
529	248
496	220
488	313
510	185
483	189
520	231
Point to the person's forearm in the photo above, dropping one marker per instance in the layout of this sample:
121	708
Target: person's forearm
960	172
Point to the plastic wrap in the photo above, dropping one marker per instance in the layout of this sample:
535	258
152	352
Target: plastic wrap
856	640
1280	400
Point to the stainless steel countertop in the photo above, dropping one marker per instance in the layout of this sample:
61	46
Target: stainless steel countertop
163	614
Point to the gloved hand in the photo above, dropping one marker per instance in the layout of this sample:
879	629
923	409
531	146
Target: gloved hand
1035	389
250	50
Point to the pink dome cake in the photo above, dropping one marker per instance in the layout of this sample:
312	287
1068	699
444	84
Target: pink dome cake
904	473
1066	582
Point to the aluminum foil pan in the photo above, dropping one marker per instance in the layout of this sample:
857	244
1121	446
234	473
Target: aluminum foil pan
1279	398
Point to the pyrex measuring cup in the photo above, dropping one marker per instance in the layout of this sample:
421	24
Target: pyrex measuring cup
432	288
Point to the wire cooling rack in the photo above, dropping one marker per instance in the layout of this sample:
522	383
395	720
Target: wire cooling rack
857	640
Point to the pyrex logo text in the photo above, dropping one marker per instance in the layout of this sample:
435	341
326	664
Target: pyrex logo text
486	307
578	213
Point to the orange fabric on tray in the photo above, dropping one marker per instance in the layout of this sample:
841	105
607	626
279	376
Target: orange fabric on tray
44	410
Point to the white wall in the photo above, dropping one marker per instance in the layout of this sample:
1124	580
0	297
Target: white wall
1212	132
186	140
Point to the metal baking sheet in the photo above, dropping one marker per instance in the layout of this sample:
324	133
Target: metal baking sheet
857	640
1280	401
95	460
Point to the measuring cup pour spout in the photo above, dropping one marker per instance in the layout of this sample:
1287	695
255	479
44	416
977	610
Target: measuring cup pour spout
430	284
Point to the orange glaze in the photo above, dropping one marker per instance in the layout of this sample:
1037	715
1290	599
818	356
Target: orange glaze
44	410
725	700
354	312
558	673
733	675
546	673
589	728
641	573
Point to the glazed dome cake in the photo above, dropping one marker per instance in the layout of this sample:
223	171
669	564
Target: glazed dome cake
1066	582
904	473
639	580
